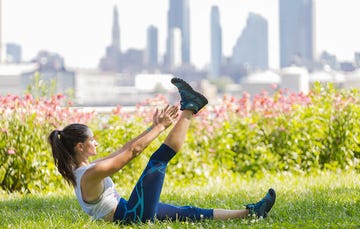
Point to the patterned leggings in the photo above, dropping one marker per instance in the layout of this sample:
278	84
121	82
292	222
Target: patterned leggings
144	205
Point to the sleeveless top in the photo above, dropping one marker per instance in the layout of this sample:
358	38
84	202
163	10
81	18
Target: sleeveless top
107	201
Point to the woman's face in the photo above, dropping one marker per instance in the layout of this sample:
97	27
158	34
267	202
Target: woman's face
90	144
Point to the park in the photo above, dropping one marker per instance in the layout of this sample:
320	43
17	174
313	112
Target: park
306	146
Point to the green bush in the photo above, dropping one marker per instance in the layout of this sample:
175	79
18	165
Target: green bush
26	161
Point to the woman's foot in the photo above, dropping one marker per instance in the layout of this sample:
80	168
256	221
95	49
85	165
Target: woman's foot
190	99
262	208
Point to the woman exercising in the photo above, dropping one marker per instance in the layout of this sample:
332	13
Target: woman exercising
75	144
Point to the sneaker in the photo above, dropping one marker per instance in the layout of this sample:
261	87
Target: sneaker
262	208
190	99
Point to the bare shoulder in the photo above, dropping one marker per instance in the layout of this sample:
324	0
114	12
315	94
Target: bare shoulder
91	186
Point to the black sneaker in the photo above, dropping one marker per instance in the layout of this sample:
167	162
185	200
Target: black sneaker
262	208
190	99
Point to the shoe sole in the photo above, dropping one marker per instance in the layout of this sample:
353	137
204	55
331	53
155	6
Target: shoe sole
271	202
202	103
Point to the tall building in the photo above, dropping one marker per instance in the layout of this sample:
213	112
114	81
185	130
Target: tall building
116	30
296	32
215	43
1	45
133	60
112	59
13	53
152	46
177	43
357	59
251	48
178	18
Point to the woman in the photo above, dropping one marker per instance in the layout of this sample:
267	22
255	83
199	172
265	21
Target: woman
75	144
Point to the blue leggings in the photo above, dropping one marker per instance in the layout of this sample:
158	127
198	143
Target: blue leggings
144	205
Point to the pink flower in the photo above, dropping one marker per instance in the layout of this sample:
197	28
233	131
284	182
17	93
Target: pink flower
60	96
117	110
4	130
11	151
274	86
28	97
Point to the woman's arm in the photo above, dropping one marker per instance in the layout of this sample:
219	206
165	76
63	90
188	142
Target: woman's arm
157	115
111	164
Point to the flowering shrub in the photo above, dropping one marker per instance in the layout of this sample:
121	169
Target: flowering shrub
293	132
26	162
289	131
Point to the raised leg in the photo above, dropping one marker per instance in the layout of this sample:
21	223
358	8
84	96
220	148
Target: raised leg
177	135
144	199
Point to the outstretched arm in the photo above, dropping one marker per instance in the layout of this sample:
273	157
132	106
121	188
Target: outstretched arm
114	162
165	117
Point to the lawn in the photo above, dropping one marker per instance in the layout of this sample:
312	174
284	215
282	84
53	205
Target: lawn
323	200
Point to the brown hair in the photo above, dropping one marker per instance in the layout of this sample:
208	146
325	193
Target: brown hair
62	144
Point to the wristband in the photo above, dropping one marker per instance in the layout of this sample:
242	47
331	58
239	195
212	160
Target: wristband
148	129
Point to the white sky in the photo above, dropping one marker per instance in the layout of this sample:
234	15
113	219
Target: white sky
80	30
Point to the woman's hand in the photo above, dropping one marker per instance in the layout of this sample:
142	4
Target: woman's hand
166	116
111	164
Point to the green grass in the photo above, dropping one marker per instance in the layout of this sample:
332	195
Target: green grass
326	200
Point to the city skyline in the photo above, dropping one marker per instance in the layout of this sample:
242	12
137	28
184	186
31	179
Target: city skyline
82	35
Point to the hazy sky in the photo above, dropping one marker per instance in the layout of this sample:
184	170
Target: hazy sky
80	30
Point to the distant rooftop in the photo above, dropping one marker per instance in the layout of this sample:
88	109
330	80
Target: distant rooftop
324	76
263	77
17	69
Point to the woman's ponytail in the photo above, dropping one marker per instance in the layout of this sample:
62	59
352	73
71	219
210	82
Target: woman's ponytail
62	144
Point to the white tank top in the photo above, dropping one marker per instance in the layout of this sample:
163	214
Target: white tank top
107	201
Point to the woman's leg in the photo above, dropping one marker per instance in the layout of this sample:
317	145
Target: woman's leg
223	214
182	213
143	202
144	199
177	135
260	210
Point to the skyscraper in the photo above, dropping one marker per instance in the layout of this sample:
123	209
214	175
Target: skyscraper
296	32
178	18
1	45
251	48
152	46
112	59
215	43
357	59
116	30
